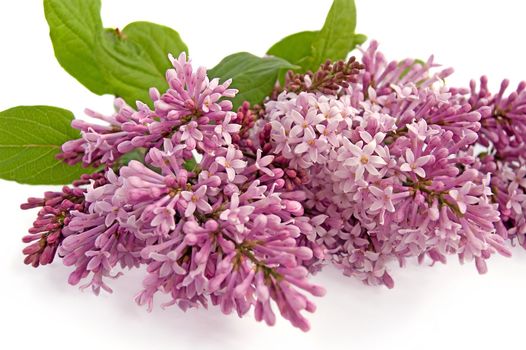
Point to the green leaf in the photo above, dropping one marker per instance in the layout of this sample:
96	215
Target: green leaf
156	42
294	48
123	63
336	38
253	76
359	39
74	28
30	138
334	41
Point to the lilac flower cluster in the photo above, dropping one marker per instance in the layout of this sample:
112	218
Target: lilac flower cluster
358	164
508	182
194	113
219	230
391	167
502	135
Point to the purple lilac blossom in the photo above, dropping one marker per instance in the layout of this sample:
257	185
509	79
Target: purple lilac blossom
391	169
503	122
205	236
380	167
502	136
224	232
194	112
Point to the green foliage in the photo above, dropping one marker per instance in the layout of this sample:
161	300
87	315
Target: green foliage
253	76
30	138
108	61
334	41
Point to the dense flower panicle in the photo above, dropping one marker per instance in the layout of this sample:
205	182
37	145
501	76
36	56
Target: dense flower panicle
194	112
508	182
219	230
96	242
391	171
222	235
46	233
379	73
233	240
105	143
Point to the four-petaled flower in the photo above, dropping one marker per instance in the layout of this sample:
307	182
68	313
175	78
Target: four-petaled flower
415	165
304	124
164	219
310	145
231	163
195	200
517	200
383	199
226	128
191	134
262	162
237	215
363	158
462	197
419	129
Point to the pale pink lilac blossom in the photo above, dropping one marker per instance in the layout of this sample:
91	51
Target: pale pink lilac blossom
398	179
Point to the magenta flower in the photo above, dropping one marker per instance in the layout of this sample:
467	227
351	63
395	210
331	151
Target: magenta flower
419	130
462	197
383	200
196	200
304	124
310	145
165	218
261	163
517	201
191	134
415	165
227	128
231	162
237	215
362	157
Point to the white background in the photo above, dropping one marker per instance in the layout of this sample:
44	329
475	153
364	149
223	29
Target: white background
444	307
